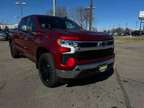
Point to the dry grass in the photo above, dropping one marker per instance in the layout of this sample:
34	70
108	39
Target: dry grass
125	39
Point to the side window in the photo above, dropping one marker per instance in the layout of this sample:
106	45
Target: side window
31	24
45	23
22	22
69	25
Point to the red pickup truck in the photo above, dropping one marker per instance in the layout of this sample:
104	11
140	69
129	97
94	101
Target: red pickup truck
61	49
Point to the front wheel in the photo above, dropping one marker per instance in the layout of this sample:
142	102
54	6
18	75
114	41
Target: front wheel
14	52
47	70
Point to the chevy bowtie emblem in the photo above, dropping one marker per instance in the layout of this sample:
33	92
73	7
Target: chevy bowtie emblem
99	43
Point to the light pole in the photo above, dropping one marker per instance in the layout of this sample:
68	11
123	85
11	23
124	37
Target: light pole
21	4
54	7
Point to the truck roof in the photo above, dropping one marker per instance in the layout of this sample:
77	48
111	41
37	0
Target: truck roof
42	16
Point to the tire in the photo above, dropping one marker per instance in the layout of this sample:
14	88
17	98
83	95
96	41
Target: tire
14	52
47	70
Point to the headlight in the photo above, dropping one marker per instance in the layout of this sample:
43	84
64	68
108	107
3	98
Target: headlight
70	43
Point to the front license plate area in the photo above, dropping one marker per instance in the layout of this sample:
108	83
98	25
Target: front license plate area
103	68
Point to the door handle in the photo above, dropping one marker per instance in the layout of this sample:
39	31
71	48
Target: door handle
25	38
25	47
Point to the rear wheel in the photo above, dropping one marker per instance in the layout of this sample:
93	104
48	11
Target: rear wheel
14	52
47	70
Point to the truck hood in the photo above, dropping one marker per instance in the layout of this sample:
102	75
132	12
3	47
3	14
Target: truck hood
83	35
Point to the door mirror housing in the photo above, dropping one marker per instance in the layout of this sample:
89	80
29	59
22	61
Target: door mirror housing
26	28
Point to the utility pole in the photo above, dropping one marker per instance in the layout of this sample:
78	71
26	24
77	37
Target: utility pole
20	3
141	24
90	14
54	7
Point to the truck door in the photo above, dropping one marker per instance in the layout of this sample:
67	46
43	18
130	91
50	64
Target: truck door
19	36
29	38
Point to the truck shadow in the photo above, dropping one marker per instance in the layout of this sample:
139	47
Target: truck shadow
90	80
2	39
2	85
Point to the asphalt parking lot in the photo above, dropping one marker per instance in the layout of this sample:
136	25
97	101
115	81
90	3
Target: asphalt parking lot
20	86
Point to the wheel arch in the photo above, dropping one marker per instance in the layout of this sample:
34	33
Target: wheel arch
40	51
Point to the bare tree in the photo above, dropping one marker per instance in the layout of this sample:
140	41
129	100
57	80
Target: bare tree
85	16
81	16
60	11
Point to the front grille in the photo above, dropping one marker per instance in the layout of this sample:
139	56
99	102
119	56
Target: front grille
94	54
91	51
95	44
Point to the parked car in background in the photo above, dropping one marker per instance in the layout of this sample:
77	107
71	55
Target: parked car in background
137	33
2	35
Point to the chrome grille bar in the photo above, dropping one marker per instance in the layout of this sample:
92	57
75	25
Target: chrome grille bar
94	45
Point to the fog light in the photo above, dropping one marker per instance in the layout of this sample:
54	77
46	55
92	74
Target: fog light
71	62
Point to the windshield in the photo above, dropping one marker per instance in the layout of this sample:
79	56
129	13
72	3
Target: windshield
58	23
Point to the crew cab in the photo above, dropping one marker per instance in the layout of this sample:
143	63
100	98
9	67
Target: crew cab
60	48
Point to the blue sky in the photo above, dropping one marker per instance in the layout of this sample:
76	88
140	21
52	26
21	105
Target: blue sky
107	13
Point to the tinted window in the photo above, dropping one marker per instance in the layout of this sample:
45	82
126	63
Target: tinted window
45	22
31	23
22	22
71	25
58	23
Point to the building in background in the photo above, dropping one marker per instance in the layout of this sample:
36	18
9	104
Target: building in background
10	26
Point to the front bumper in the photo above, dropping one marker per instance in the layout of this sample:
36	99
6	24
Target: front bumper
82	68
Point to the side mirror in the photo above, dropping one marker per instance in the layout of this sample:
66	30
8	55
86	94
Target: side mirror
26	28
